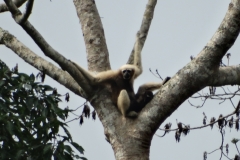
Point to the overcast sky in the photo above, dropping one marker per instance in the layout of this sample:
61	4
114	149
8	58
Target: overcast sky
179	29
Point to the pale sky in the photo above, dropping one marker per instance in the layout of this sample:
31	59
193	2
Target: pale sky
179	29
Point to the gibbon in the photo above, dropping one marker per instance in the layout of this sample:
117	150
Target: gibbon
143	97
121	82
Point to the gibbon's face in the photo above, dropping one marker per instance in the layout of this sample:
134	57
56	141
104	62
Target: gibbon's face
127	74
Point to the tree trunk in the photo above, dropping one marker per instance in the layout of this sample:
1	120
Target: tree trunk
126	148
127	137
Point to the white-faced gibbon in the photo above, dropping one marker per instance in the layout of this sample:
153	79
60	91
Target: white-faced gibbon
121	82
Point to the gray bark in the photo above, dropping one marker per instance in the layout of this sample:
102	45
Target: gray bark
93	33
18	3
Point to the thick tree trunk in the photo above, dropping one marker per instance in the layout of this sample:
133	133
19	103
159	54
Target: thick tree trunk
130	148
127	138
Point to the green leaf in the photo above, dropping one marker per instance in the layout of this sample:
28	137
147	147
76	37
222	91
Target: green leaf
30	102
68	148
23	77
78	157
78	147
18	154
2	82
67	156
67	132
10	127
47	148
30	119
47	88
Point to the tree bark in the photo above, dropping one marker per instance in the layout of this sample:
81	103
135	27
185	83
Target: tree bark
93	33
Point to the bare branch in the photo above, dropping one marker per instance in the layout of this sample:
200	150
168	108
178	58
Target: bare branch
229	75
221	147
183	84
224	96
64	63
18	3
28	11
39	63
143	32
224	37
96	47
200	127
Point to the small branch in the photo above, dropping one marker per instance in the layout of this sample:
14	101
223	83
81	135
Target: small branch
72	120
226	156
200	127
18	3
216	96
214	151
237	148
198	106
28	11
157	76
222	153
221	147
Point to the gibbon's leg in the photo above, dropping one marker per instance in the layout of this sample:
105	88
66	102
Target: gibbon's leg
123	102
143	99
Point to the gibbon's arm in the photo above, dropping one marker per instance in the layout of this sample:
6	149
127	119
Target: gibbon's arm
107	76
152	86
137	57
85	73
148	87
101	77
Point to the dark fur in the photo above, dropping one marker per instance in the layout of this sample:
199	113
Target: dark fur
140	101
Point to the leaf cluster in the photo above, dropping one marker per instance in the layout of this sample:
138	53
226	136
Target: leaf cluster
30	120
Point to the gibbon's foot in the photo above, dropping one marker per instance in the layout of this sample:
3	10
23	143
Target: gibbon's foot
165	80
132	114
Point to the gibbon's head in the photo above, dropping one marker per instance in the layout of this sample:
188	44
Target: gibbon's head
127	72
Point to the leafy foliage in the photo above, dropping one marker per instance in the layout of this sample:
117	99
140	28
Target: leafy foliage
30	120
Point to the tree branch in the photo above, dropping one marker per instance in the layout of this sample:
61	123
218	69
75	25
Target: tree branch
28	11
64	63
39	63
229	75
143	32
195	75
224	37
18	3
96	47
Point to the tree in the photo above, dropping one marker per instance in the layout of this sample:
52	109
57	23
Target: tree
29	119
201	72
